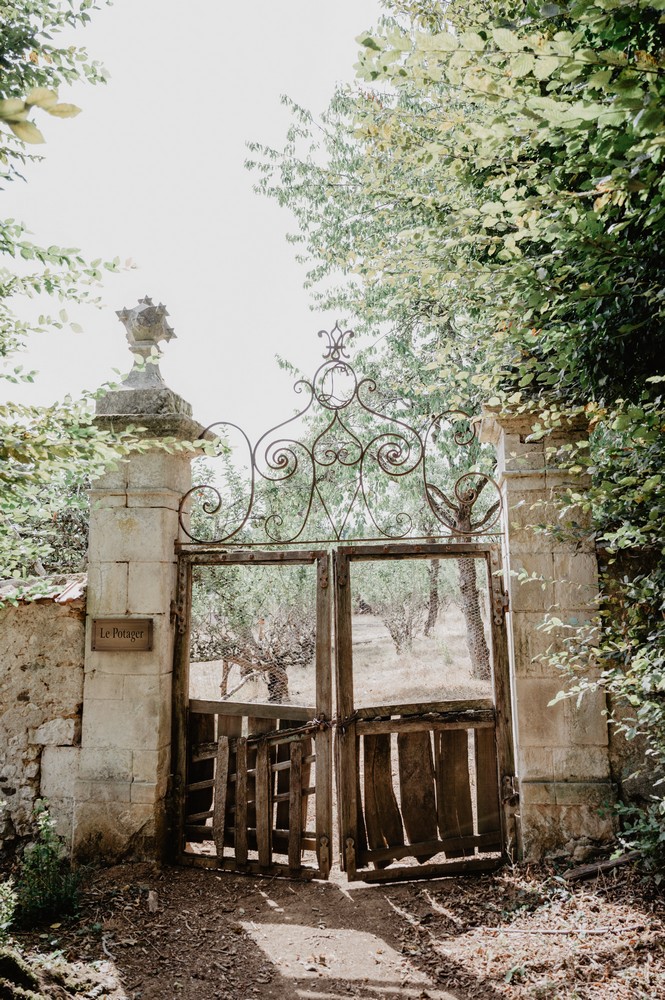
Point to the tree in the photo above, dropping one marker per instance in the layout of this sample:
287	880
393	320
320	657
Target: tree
494	189
42	449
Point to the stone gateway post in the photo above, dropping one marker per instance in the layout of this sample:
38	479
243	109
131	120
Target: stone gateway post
120	795
562	750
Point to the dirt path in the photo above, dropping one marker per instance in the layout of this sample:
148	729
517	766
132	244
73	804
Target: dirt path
199	935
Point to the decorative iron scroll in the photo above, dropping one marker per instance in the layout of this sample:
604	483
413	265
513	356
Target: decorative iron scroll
354	474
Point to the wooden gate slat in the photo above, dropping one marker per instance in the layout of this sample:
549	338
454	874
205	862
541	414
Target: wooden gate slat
231	727
200	729
416	784
382	815
283	781
295	806
221	785
256	726
263	803
323	740
487	784
453	786
241	802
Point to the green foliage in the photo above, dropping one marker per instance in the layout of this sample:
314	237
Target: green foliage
627	642
43	450
492	195
46	886
644	830
7	906
503	187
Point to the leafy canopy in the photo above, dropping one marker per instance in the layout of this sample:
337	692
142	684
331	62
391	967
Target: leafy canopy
41	448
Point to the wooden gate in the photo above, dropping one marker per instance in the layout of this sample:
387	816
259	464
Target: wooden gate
426	780
253	781
424	771
422	788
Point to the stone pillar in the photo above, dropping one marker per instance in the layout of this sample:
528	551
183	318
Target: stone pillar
124	760
561	750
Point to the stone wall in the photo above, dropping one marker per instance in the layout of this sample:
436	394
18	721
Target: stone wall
41	694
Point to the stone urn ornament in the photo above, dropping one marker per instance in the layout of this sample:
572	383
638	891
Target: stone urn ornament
145	327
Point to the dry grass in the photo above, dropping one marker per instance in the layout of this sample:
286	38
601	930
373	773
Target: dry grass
437	668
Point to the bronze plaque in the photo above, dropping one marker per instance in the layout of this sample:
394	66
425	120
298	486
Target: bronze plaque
122	634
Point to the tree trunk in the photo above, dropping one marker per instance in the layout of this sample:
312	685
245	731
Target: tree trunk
475	630
433	570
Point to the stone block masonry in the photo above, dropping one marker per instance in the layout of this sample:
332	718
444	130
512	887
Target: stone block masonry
41	695
120	797
562	749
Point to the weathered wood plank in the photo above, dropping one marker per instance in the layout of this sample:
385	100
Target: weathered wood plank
453	787
192	817
282	753
202	554
200	728
427	707
305	874
286	796
256	726
295	807
221	784
240	825
210	783
271	710
324	708
487	785
180	707
411	873
347	783
504	722
477	721
417	790
285	765
382	816
263	805
483	842
415	550
231	727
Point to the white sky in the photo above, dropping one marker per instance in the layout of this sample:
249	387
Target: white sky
152	170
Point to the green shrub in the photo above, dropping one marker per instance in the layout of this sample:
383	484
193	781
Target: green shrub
7	906
46	886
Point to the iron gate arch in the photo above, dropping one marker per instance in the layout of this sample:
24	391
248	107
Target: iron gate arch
357	485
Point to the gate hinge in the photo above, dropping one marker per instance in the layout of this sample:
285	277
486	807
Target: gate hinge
510	792
500	603
323	574
178	616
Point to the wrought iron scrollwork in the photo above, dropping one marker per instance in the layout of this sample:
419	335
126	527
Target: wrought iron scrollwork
357	473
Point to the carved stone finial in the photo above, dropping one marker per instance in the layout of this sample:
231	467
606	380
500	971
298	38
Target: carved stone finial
145	327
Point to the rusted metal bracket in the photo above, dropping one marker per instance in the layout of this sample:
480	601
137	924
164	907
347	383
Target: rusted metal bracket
341	569
510	793
323	576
